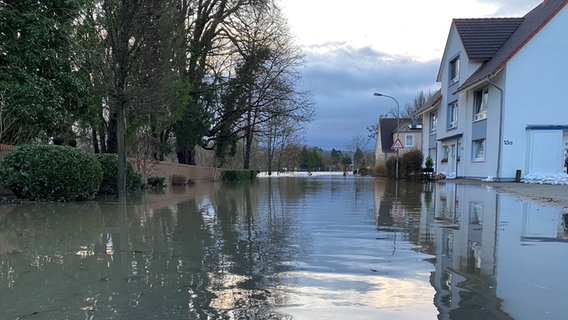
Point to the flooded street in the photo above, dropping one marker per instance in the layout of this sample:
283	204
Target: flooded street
319	247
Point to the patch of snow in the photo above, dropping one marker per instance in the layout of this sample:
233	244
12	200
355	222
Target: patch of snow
545	178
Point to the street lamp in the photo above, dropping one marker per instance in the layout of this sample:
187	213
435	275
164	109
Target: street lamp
376	94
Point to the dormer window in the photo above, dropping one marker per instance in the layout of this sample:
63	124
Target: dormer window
455	70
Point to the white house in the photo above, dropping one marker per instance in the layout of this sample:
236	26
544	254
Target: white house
502	109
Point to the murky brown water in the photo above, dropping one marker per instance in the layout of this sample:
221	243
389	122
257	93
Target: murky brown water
320	247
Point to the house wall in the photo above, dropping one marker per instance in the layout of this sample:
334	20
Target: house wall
380	156
428	141
488	128
536	94
417	140
453	138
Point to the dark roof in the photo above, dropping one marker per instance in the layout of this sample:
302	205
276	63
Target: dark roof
431	102
482	38
387	126
531	24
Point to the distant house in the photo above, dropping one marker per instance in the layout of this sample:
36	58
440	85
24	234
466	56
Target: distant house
408	131
503	104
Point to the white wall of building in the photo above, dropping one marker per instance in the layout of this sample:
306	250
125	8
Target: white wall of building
537	94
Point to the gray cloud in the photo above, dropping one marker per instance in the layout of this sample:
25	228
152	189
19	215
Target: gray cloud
343	81
512	8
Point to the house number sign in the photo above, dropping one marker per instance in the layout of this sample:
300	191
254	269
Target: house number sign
508	142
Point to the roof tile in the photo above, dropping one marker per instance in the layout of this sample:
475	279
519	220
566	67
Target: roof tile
483	37
531	23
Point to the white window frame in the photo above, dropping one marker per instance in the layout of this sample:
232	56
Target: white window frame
453	115
480	101
407	143
433	122
475	213
445	153
454	70
478	150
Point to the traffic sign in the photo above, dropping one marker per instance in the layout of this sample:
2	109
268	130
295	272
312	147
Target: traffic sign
397	144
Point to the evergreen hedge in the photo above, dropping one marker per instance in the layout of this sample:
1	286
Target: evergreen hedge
156	182
109	164
238	175
51	173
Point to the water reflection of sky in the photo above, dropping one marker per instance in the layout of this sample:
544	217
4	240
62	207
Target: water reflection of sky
351	270
320	247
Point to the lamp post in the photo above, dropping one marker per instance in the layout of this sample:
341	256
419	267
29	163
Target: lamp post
376	94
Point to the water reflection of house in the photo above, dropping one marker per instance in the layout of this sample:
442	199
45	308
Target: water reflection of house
464	247
495	256
532	243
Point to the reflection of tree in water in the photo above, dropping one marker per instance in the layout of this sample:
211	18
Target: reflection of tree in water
399	207
211	256
251	233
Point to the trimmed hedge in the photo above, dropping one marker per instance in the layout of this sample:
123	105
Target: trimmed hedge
51	173
156	182
109	164
178	180
238	175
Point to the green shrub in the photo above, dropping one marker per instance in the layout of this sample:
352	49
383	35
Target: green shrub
178	180
411	164
238	175
156	182
429	163
51	173
109	164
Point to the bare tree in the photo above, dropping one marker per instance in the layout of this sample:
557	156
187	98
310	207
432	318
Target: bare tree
263	86
357	142
279	133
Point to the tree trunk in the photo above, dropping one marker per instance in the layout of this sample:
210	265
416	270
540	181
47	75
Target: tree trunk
247	146
186	156
121	151
95	141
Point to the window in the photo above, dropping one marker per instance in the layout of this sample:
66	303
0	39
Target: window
455	70
478	150
480	98
433	122
445	154
409	141
475	213
453	115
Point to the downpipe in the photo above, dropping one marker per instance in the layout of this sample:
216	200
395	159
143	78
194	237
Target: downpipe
499	150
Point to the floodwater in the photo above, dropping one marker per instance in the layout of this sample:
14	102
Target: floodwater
318	247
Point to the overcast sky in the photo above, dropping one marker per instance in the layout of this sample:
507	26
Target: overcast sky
358	47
